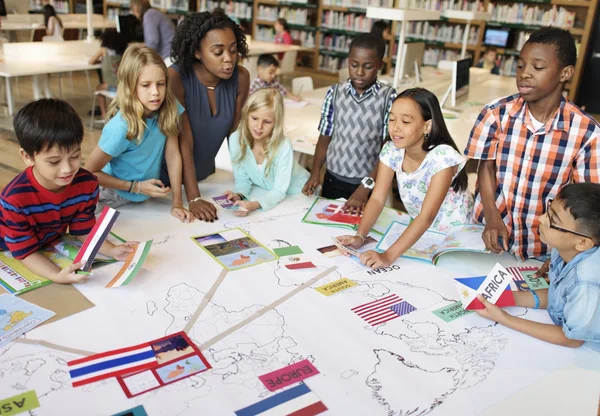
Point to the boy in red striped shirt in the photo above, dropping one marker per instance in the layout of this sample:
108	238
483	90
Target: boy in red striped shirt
53	194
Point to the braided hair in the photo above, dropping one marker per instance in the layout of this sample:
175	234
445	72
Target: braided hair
193	29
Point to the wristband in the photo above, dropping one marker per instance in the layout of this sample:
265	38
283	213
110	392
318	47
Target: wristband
361	236
536	299
131	187
198	198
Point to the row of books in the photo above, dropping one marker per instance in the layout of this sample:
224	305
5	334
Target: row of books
442	5
241	10
331	63
347	21
531	15
294	16
337	43
170	4
441	32
433	55
361	4
121	2
61	6
267	34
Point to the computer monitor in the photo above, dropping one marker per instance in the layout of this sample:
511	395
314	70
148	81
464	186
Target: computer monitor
458	91
496	37
413	59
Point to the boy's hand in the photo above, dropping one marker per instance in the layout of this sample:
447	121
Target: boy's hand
491	311
68	275
353	241
122	251
493	230
203	210
543	271
232	196
152	187
311	184
182	214
375	260
245	207
357	201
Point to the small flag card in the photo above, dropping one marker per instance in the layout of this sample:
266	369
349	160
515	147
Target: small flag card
136	411
96	238
293	258
298	400
132	266
495	287
110	364
344	248
227	203
177	357
524	280
289	375
383	309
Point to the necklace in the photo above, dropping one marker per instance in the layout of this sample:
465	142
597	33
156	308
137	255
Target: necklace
210	88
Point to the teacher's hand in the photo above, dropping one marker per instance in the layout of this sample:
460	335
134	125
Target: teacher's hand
203	210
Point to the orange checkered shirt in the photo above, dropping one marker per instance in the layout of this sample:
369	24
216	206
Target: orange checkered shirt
532	166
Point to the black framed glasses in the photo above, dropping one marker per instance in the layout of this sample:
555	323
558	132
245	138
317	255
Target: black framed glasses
557	228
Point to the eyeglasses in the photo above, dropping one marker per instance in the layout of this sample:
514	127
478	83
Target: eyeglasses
556	227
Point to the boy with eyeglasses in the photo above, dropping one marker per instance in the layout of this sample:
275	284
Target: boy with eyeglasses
571	226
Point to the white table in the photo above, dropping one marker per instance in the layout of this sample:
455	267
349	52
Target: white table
259	47
177	274
37	58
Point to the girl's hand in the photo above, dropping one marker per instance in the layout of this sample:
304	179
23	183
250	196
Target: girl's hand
152	187
232	196
375	260
122	251
68	275
203	210
245	207
311	184
353	241
182	214
543	271
491	311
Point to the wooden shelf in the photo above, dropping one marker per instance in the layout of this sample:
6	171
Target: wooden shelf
360	10
572	3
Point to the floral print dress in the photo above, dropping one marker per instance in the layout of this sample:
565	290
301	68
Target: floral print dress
457	207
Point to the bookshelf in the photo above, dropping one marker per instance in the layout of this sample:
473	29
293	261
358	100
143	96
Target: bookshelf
61	6
173	8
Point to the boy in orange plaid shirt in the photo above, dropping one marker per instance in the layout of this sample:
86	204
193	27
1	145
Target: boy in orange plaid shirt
531	144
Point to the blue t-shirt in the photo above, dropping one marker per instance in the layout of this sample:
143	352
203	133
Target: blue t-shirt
574	296
132	161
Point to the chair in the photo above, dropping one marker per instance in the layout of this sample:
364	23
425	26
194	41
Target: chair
108	94
302	84
288	63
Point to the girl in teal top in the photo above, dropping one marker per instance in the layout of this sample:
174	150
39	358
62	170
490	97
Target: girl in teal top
261	155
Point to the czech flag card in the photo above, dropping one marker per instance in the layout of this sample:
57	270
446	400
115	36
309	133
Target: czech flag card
495	287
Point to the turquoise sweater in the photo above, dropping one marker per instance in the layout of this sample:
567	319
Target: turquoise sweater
285	176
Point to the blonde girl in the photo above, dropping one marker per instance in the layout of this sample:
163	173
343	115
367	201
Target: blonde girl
142	127
261	155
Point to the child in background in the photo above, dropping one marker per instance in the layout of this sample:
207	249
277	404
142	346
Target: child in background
266	73
490	61
530	145
430	171
381	29
353	127
54	26
53	194
282	35
143	126
110	54
261	155
571	225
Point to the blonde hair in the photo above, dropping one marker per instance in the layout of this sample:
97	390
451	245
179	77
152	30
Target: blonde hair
136	57
263	99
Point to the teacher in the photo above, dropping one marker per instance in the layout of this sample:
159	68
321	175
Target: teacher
158	27
206	79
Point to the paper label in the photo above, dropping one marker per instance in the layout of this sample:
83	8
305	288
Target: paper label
288	375
334	287
19	403
451	312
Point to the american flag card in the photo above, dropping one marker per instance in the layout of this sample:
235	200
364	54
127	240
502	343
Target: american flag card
378	311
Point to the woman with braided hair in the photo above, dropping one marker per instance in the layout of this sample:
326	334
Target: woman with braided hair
206	79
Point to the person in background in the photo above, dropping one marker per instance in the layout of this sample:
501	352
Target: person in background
220	10
54	26
159	30
382	29
490	61
282	35
267	71
54	30
111	51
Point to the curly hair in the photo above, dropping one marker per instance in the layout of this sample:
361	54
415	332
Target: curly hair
193	29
